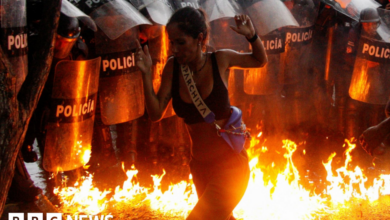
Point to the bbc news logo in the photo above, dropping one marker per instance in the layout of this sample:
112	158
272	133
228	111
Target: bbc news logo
56	216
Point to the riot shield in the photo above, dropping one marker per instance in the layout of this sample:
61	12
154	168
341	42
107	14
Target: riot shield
186	3
159	10
371	75
264	81
216	9
337	7
223	37
72	11
351	8
294	60
323	43
120	89
221	16
354	7
72	113
384	28
14	38
116	17
270	15
88	6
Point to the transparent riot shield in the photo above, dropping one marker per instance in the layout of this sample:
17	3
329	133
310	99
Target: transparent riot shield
116	17
294	60
72	11
120	90
270	15
371	75
223	37
337	7
354	7
159	11
88	6
72	114
350	8
216	9
221	16
186	3
384	27
264	81
14	38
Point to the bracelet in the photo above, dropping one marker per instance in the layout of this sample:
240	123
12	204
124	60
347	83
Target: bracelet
253	39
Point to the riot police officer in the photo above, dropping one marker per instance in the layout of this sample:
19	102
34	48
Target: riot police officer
368	83
67	35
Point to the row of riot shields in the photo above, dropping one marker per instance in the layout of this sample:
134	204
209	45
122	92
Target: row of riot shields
370	70
111	76
286	29
119	24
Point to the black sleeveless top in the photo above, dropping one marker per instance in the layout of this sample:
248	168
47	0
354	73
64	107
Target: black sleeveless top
218	100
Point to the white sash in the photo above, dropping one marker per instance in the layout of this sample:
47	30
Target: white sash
203	109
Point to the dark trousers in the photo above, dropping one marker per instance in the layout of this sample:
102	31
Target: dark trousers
220	185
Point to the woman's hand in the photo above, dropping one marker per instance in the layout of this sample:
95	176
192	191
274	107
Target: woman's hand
244	26
143	60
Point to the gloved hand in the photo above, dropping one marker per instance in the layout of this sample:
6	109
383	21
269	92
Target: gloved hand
371	140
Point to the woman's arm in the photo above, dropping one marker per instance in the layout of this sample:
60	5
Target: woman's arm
256	59
155	104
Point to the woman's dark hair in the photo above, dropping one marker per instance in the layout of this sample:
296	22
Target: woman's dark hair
191	21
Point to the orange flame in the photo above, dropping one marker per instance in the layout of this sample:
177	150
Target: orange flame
284	198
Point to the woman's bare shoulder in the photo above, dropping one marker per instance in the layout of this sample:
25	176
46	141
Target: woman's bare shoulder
168	68
224	56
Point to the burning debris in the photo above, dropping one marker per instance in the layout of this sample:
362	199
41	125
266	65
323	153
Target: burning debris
345	193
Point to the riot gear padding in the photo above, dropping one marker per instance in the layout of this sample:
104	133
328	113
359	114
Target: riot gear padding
369	15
